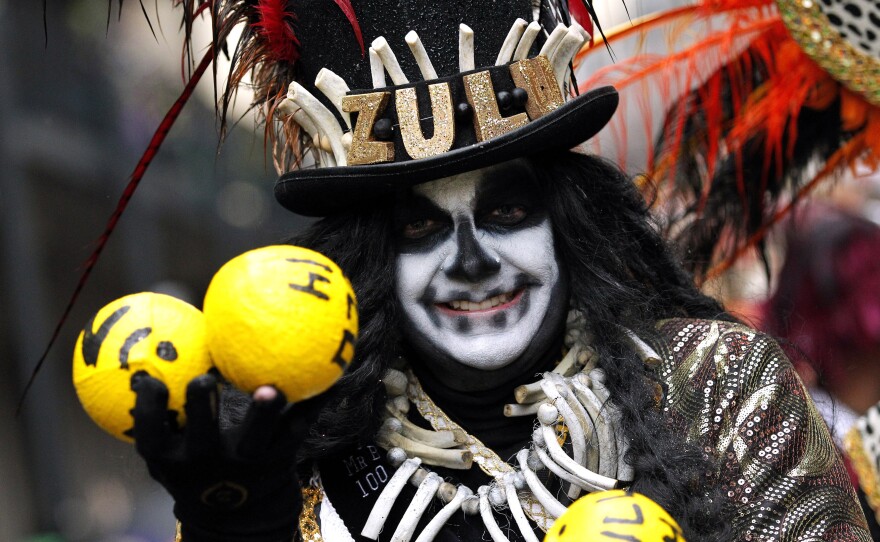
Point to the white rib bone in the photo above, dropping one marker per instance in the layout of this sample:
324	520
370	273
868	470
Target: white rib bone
446	492
452	459
334	87
574	420
400	404
325	121
560	58
527	40
386	499
590	478
534	462
548	414
516	410
396	456
602	422
465	48
644	351
516	509
597	385
575	430
575	316
395	382
437	522
307	123
538	436
529	393
418	477
421	56
458	435
488	518
471	505
588	418
418	505
591	392
587	36
377	70
588	359
510	42
539	490
389	61
392	424
289	107
436	439
568	363
560	472
553	40
572	335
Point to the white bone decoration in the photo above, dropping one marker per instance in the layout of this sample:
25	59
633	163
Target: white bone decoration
332	142
572	396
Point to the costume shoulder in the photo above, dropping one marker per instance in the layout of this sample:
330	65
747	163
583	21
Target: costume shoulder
732	390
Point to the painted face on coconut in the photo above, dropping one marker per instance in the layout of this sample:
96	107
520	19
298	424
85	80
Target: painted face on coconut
476	265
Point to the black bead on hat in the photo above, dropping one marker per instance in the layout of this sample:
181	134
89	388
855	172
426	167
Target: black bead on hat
471	85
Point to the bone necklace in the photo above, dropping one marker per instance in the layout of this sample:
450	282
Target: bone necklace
572	398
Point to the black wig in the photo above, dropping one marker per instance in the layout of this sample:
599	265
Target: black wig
621	275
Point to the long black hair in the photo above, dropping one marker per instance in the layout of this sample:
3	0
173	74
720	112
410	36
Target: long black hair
621	275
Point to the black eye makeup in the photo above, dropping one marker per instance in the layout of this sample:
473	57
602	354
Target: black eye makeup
420	228
508	214
421	223
508	200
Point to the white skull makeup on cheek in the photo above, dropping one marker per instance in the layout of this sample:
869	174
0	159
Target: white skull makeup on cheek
476	266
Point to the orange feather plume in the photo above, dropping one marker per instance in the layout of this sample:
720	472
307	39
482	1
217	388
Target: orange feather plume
750	116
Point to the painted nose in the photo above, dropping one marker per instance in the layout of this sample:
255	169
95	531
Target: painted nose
472	262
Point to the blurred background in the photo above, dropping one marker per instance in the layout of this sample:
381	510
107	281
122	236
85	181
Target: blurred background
76	111
78	105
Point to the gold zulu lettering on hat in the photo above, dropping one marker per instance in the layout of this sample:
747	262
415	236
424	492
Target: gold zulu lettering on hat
535	75
488	122
417	146
364	148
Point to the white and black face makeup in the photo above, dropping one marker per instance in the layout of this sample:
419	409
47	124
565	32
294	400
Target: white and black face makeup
476	266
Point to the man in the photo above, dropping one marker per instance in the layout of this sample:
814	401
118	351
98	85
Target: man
498	276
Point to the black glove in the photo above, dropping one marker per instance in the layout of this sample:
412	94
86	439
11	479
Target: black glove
237	484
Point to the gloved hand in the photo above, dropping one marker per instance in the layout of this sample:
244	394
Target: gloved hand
237	484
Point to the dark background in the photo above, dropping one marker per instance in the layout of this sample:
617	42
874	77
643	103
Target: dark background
76	112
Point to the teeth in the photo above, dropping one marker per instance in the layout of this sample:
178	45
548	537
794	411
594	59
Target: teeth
464	305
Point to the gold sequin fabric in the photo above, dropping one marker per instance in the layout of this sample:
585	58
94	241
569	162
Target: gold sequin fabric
810	27
308	517
733	391
862	444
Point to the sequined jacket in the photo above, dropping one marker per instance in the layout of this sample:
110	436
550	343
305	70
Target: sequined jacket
732	390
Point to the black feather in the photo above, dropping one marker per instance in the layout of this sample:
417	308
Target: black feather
746	188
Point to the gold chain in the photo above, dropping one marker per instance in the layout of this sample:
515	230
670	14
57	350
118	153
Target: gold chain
308	521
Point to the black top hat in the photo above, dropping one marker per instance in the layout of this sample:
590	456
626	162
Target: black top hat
460	100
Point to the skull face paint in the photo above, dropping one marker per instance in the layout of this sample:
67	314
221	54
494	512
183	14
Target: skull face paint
476	266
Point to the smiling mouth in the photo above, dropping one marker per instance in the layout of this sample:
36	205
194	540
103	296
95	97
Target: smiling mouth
501	301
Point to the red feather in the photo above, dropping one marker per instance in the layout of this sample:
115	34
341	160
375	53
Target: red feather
274	24
580	14
140	169
348	10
